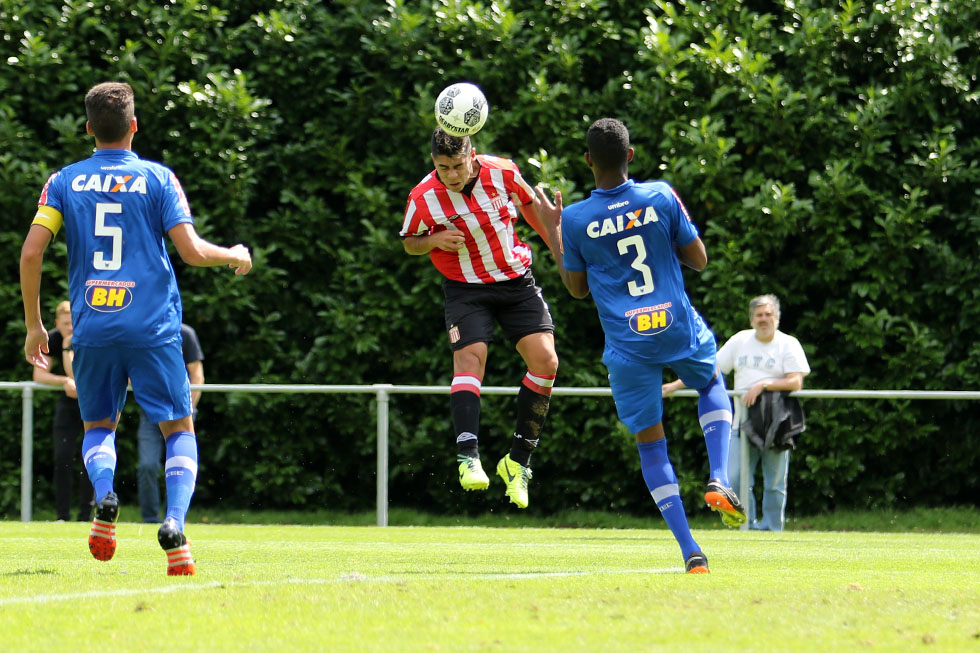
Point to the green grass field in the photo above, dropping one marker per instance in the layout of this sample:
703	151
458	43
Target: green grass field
364	588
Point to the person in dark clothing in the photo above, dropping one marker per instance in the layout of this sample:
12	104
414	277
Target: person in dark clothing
68	428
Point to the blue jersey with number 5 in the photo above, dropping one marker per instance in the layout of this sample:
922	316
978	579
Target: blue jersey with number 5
623	239
116	209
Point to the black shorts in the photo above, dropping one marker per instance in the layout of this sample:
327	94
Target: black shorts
472	308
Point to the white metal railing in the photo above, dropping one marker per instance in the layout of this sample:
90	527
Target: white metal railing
382	393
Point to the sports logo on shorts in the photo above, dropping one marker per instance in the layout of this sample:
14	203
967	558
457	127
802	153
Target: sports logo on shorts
650	320
453	334
108	296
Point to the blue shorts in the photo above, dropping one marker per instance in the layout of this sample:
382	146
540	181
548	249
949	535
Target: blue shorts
158	375
636	386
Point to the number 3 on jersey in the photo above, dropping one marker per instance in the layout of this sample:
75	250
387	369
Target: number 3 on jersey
102	229
636	243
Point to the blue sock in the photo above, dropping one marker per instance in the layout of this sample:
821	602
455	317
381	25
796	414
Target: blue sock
662	483
99	456
715	414
180	474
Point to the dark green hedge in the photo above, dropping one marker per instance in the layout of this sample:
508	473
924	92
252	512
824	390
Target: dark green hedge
827	155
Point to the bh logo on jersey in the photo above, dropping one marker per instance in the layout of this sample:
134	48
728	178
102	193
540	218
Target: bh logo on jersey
108	296
650	320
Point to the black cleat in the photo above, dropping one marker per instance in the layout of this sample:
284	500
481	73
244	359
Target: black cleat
697	563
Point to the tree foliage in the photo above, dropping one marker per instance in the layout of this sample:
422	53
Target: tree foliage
828	154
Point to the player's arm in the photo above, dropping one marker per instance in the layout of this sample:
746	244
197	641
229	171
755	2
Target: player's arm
31	259
693	255
195	373
450	240
530	215
577	283
198	252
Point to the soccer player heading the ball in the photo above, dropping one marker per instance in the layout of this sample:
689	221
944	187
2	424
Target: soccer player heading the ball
116	209
462	215
625	244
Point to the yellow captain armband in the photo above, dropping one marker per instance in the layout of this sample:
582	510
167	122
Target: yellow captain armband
48	217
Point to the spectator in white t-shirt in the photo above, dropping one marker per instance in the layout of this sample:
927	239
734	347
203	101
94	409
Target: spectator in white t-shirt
764	359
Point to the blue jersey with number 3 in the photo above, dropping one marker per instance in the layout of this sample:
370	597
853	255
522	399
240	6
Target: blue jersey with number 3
623	239
116	209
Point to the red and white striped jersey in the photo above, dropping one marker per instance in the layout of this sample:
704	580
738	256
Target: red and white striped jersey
486	216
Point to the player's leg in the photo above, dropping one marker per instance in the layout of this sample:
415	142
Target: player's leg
86	493
150	449
181	478
533	402
469	363
775	470
534	397
714	411
524	316
641	411
162	389
715	415
469	326
100	377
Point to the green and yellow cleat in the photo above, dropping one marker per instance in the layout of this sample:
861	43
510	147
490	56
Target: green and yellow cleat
724	501
471	474
515	476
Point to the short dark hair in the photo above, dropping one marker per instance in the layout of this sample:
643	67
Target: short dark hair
109	109
609	143
446	144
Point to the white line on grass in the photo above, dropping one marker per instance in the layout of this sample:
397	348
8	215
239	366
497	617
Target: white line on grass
353	577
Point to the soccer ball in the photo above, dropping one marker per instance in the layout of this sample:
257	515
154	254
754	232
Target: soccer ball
461	109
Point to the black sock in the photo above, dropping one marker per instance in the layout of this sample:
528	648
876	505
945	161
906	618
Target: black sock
465	406
532	409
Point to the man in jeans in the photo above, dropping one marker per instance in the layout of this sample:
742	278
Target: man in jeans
765	360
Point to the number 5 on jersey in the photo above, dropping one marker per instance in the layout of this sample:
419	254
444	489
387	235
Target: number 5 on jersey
102	229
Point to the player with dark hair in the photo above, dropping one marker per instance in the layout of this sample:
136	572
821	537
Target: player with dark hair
625	245
116	209
462	215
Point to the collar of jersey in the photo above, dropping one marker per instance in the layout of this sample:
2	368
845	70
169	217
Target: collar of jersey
610	191
115	153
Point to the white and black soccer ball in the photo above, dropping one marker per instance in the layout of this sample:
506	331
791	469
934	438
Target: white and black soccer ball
461	109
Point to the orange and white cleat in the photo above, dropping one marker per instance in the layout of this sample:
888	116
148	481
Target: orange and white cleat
102	537
177	548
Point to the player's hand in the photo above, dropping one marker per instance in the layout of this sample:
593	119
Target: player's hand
70	388
36	347
548	211
243	260
449	240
